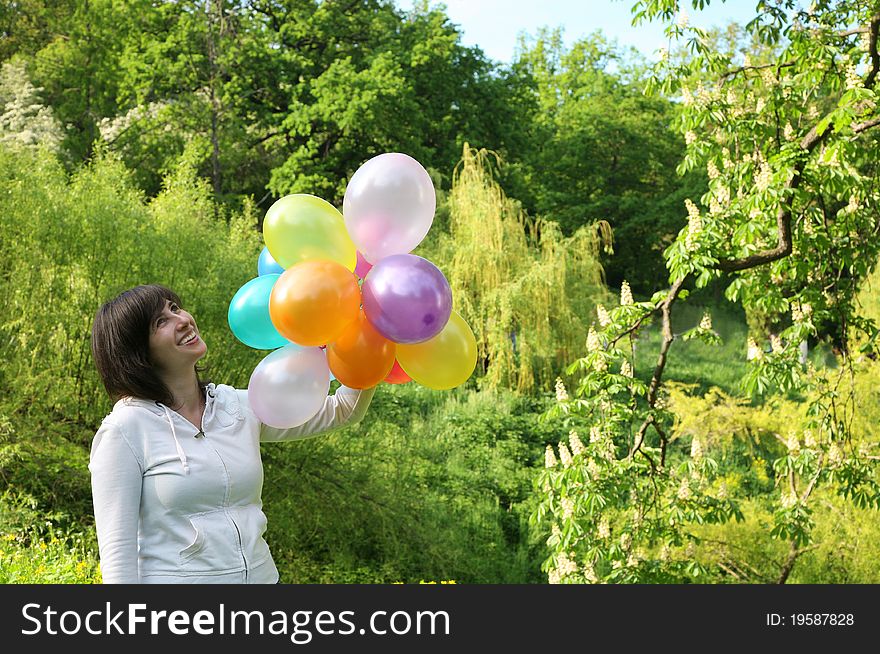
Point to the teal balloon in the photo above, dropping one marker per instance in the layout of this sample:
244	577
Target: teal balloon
266	264
249	318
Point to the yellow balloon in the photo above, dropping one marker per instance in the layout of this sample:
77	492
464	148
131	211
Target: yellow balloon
303	227
445	361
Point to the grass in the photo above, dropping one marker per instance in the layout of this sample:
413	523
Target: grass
52	560
723	365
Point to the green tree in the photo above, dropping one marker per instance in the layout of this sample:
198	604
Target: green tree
790	213
600	149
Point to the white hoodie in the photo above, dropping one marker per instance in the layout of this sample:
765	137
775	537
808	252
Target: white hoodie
176	505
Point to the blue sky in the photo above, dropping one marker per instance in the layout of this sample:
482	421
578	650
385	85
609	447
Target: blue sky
493	25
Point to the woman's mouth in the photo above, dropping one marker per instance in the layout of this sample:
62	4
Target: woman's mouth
189	339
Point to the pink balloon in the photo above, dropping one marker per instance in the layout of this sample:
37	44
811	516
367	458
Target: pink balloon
389	205
363	266
289	386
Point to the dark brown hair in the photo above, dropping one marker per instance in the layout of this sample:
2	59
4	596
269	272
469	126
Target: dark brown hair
121	344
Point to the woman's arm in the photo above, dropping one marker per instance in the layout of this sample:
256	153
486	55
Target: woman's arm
345	407
117	478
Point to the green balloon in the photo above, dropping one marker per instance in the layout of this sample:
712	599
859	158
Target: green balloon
303	227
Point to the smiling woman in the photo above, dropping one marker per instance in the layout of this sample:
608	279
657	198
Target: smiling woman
176	470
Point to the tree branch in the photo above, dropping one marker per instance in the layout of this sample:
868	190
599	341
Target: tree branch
668	337
808	143
873	29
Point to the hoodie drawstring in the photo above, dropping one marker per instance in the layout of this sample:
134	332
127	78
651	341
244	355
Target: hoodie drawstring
180	452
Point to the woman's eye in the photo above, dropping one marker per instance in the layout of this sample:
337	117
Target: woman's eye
160	322
175	308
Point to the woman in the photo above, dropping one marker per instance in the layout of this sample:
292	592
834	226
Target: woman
176	469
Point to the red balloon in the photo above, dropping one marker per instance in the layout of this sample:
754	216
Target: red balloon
397	375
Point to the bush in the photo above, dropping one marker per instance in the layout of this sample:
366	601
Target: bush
429	486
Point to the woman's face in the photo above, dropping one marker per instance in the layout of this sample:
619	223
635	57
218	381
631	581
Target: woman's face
175	343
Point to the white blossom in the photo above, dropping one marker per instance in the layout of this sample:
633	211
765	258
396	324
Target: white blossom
564	455
561	393
604	318
590	574
696	449
626	369
549	457
788	500
764	176
684	490
793	444
626	297
683	19
810	440
594	470
565	565
853	81
776	343
686	97
567	508
690	137
835	455
853	205
712	169
604	531
577	447
706	322
24	119
788	132
593	344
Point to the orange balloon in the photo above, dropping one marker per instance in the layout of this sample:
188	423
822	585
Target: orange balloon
313	302
361	357
397	375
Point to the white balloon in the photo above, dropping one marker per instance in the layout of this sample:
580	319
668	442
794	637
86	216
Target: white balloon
389	205
289	386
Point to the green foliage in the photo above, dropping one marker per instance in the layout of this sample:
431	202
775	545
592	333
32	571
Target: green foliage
599	149
34	551
790	210
428	486
69	244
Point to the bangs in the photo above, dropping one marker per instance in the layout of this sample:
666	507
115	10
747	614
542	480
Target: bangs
153	299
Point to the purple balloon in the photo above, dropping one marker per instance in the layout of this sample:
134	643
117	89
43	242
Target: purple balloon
406	298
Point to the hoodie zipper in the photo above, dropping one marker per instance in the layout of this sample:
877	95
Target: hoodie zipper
201	435
244	562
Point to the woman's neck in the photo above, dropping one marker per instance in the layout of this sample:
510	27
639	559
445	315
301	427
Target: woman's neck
186	393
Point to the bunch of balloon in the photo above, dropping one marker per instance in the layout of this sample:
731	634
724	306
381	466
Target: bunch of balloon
389	207
342	297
